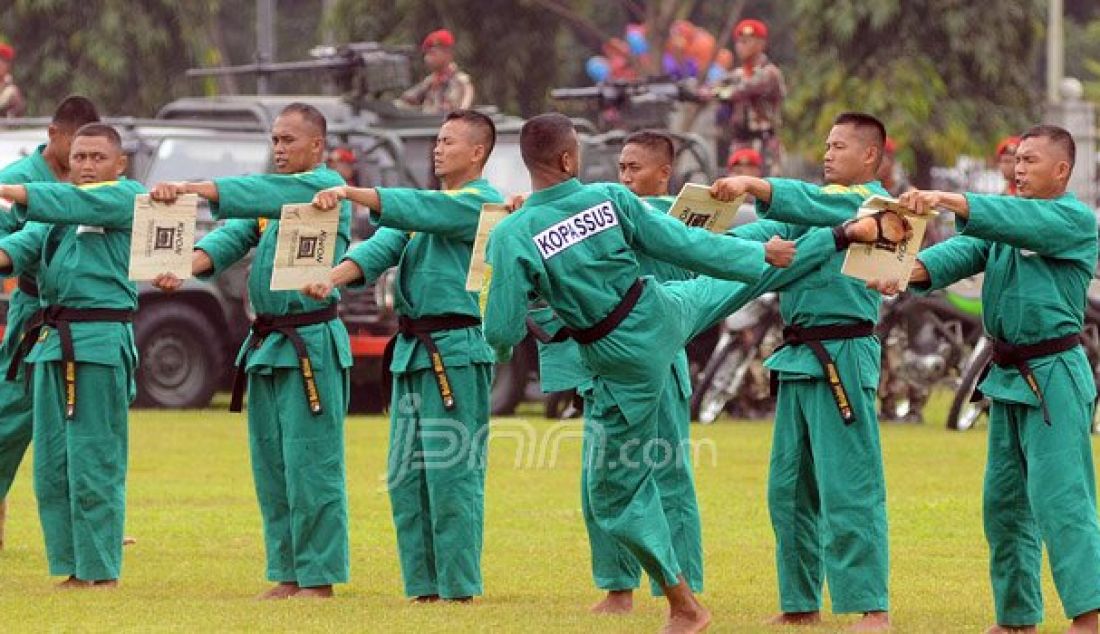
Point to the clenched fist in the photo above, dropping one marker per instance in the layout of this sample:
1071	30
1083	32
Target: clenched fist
779	252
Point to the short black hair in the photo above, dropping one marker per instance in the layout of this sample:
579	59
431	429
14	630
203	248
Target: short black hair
1058	136
101	130
309	113
481	123
544	137
868	125
654	141
75	111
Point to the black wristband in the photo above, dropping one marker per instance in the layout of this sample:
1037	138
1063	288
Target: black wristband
840	237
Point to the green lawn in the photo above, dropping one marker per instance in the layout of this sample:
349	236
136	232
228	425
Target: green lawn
198	562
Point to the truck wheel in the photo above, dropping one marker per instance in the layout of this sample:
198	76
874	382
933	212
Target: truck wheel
180	357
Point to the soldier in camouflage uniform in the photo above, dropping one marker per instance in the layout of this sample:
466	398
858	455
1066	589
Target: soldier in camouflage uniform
447	88
751	98
12	103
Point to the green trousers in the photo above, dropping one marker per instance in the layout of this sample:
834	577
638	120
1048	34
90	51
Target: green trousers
16	421
436	479
80	468
298	468
1040	488
613	565
827	499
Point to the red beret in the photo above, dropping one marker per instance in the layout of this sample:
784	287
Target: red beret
7	52
745	156
1008	145
750	28
442	37
342	155
890	146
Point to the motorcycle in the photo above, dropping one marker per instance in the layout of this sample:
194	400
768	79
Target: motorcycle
733	378
926	341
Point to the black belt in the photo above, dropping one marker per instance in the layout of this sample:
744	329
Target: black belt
598	331
422	329
59	318
812	338
1007	355
287	325
28	286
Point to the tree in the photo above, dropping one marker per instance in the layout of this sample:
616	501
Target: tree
945	76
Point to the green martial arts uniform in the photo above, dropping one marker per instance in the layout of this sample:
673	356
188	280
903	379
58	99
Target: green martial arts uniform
436	468
574	246
826	489
1038	257
80	457
297	453
15	396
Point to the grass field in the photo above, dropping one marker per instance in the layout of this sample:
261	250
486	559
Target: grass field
198	562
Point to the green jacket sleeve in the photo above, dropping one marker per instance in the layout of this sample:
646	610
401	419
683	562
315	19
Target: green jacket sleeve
764	230
663	237
952	260
378	253
808	204
263	195
24	247
504	299
453	214
109	205
229	243
1046	227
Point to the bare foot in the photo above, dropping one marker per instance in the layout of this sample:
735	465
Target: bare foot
105	584
1086	623
1008	629
280	591
128	541
616	602
428	598
687	621
873	622
72	583
315	592
795	618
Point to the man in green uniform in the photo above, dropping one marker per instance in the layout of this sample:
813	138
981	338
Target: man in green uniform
441	365
296	360
1038	252
826	490
48	163
573	245
83	346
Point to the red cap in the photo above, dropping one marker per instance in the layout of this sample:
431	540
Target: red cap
890	146
442	37
342	155
745	156
750	28
1008	145
7	52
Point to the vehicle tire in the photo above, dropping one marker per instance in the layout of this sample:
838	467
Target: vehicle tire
721	379
510	380
180	356
963	414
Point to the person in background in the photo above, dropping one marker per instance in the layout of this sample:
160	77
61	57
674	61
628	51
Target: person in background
12	103
447	88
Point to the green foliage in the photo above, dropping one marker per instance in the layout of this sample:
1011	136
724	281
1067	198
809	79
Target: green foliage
946	77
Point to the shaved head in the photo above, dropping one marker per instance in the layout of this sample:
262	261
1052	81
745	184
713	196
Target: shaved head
309	114
1059	138
544	138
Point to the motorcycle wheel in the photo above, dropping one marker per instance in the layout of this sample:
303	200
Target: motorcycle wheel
720	382
963	414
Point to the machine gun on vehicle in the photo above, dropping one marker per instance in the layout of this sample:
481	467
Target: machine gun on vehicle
361	71
630	105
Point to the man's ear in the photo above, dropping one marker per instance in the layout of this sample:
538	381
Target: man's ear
52	131
123	163
1062	170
